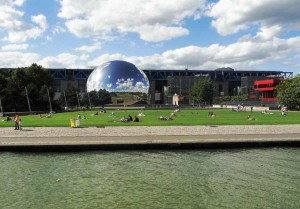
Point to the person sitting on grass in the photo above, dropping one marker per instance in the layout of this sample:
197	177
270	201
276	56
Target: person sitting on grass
111	115
48	116
169	118
129	118
165	118
177	110
162	118
125	120
7	119
136	119
266	112
250	118
141	114
212	115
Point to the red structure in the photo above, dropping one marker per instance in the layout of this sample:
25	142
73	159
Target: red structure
266	89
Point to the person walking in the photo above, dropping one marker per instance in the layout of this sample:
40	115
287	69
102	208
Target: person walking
17	118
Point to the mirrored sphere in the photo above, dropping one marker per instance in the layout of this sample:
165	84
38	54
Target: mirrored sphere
118	76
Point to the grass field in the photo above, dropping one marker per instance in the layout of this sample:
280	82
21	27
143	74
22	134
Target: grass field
186	117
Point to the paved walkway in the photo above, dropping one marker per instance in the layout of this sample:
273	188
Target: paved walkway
149	137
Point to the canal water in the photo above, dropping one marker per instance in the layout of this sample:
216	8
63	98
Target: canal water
236	178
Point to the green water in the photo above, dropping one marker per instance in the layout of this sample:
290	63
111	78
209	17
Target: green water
239	178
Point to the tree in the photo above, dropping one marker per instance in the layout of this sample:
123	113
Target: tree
104	97
288	92
100	98
3	81
3	84
90	97
33	78
70	95
202	91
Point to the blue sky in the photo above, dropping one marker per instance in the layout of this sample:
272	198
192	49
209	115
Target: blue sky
152	34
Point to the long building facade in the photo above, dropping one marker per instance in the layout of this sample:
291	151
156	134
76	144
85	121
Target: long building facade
166	83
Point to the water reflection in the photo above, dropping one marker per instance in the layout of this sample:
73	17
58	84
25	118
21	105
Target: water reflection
252	178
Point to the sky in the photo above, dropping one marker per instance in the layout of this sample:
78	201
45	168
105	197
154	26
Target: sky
152	34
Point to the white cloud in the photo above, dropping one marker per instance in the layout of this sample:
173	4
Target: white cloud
41	21
90	48
18	2
243	55
9	15
17	59
49	38
84	57
160	33
105	58
16	30
139	86
154	20
246	54
64	60
231	16
13	47
125	84
58	29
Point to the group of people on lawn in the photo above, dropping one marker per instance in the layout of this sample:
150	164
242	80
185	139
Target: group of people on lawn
171	116
129	119
18	123
123	119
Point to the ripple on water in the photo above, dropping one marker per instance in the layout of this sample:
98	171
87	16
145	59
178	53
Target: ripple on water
239	178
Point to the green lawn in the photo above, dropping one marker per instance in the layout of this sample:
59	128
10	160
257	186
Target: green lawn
186	117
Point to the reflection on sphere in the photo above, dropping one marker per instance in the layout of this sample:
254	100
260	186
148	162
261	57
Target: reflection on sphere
118	76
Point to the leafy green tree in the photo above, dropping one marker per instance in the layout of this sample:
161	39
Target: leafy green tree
3	83
70	94
104	97
33	78
202	92
288	92
100	98
90	97
15	98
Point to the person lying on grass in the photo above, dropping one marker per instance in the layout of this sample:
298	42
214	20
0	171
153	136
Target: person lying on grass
250	118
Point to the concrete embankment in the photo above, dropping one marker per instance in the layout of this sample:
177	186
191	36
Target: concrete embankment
150	137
